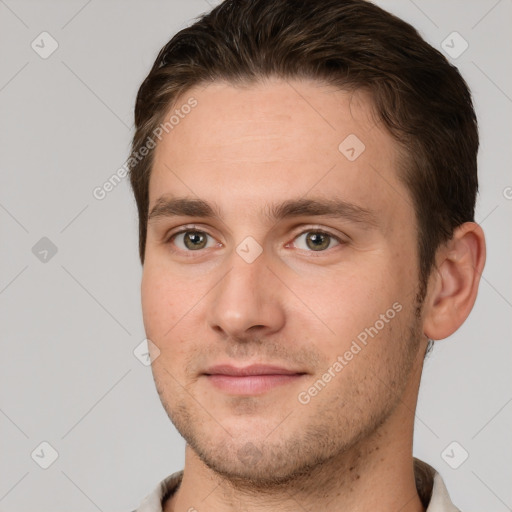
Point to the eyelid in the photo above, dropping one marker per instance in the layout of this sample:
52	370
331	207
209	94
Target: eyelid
184	228
341	238
168	240
320	228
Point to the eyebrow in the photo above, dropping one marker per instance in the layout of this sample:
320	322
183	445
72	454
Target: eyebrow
333	208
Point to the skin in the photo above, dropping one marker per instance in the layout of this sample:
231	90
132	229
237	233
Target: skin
349	448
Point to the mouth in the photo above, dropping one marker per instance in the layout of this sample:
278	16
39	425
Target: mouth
250	380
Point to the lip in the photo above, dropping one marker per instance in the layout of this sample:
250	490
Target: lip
253	369
250	380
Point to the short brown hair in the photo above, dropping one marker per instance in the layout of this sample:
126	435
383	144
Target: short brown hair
352	44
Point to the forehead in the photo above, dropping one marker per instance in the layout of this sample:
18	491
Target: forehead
278	139
233	117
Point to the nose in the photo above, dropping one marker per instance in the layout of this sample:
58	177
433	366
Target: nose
247	302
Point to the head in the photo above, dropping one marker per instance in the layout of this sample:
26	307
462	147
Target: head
309	168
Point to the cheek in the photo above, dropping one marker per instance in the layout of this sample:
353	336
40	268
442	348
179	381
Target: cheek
159	297
353	294
343	304
170	313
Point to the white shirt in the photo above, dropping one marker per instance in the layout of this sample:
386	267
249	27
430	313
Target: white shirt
426	478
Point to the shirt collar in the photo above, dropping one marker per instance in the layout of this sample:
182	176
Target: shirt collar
429	483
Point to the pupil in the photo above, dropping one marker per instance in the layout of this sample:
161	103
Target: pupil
317	241
194	240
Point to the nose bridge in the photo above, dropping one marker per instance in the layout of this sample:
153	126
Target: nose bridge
244	297
239	291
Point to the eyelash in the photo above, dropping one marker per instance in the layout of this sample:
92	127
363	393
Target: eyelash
187	229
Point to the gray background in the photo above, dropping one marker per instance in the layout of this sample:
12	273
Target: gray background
70	323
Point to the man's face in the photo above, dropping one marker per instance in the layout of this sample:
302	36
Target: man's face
307	269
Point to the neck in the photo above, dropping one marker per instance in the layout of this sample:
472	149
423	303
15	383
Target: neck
376	474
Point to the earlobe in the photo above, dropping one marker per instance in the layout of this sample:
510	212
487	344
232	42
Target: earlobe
453	285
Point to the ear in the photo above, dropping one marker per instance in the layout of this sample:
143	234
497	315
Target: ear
453	284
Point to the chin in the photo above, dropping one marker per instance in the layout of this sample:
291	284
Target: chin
256	467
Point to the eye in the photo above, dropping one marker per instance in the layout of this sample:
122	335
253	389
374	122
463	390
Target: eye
315	241
192	240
